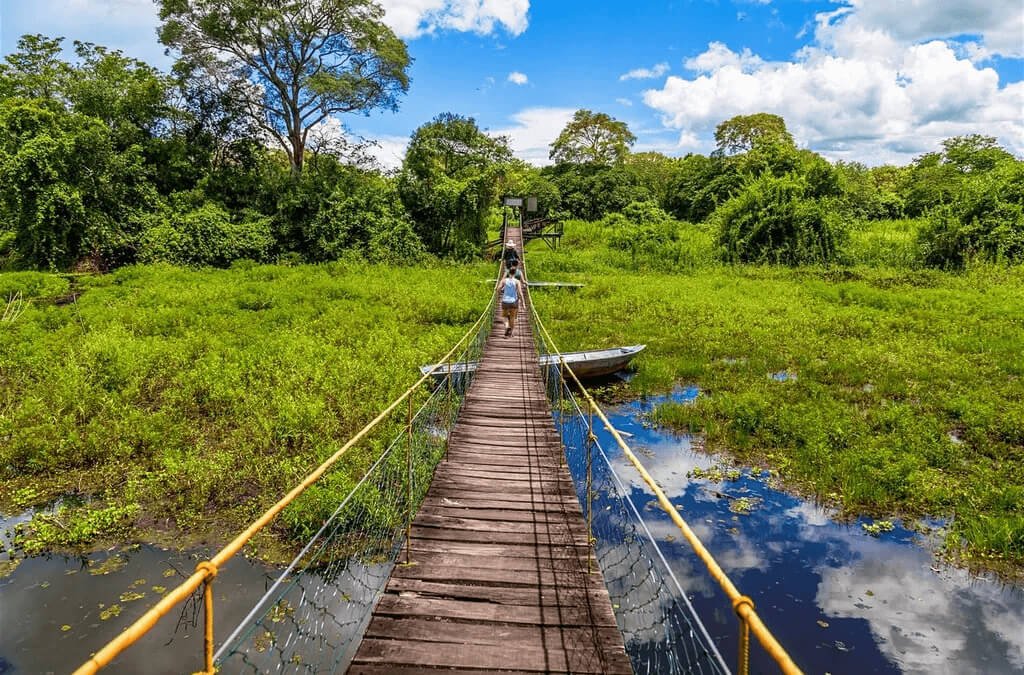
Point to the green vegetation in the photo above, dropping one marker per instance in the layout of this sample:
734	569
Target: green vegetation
179	404
908	397
184	400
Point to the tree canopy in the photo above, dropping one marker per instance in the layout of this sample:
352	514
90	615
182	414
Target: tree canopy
592	138
449	181
290	64
745	132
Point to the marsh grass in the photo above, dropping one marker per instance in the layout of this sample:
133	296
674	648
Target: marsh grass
885	243
185	402
908	398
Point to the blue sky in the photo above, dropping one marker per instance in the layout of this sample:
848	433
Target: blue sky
869	80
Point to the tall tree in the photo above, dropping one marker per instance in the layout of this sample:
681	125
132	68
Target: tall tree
35	70
745	132
290	63
592	138
974	153
449	181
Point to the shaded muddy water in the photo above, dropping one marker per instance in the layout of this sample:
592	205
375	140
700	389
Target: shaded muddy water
56	610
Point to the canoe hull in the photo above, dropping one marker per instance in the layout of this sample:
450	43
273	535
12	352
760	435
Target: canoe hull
588	364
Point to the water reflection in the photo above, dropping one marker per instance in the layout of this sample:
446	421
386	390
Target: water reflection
55	611
841	601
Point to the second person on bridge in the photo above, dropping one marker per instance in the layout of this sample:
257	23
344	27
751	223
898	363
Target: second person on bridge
511	297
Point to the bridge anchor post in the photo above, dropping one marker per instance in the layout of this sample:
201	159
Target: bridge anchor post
408	512
451	413
590	490
211	573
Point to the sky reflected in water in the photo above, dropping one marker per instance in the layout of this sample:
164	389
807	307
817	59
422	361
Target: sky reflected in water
840	600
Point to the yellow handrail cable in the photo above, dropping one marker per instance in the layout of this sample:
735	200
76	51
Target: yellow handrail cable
742	605
208	569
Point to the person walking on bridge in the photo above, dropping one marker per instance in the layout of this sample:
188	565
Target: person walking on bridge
511	298
511	254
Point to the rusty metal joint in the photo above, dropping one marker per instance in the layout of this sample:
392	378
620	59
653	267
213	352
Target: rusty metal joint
209	568
741	601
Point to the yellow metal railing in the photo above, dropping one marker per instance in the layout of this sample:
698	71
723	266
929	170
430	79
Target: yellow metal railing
206	570
742	605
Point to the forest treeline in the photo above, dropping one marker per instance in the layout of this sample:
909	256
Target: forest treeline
106	161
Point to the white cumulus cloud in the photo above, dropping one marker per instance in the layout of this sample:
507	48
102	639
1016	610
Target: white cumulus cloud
1000	23
718	56
515	77
533	130
389	151
859	91
413	18
645	73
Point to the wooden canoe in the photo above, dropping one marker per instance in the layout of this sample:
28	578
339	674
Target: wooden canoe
591	363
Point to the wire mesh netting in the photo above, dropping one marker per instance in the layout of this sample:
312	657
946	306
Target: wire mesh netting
661	630
312	617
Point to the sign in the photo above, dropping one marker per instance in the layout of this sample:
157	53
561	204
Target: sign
513	201
531	204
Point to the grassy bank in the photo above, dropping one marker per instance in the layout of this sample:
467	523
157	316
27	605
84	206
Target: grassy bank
178	404
903	393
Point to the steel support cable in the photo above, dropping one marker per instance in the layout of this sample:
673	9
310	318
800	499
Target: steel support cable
742	605
205	570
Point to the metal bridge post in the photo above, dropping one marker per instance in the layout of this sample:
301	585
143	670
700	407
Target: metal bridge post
211	572
449	418
743	664
408	518
561	413
590	483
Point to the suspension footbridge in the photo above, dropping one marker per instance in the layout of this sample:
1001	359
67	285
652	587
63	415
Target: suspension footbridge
500	573
490	531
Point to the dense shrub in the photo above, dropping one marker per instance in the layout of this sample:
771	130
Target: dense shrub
773	221
356	215
656	241
205	236
591	191
396	243
985	221
700	185
66	189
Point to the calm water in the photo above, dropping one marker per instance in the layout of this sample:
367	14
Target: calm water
840	600
56	611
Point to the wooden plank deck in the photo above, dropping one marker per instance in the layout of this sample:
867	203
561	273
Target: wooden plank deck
500	578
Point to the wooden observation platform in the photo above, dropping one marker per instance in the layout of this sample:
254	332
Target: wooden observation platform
501	563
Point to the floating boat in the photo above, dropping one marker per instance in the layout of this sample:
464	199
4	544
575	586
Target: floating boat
553	284
591	363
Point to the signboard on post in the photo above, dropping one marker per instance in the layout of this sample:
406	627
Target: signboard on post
513	201
531	204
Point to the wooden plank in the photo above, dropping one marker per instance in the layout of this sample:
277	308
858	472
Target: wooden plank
530	615
392	669
499	552
427	570
441	655
428	520
535	538
467	633
519	564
